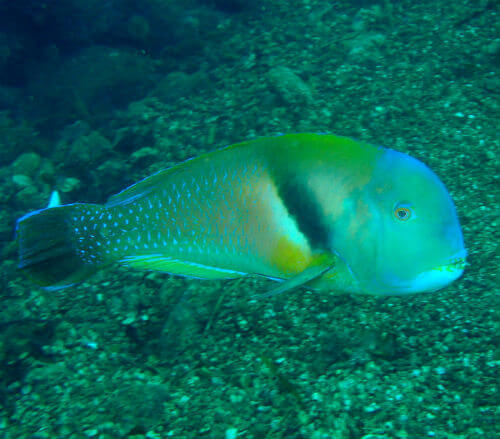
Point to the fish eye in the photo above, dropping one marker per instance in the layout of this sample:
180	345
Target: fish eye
402	212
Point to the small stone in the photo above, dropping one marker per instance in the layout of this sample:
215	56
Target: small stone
493	48
70	184
138	28
22	180
85	150
178	84
144	153
46	171
366	46
289	86
27	164
231	433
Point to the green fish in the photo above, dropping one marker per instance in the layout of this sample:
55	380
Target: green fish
315	210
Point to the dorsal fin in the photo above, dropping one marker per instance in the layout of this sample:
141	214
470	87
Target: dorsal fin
139	189
55	199
149	184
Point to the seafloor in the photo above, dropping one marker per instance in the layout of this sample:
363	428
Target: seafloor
95	95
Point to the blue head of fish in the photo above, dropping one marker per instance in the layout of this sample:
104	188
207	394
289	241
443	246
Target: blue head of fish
404	235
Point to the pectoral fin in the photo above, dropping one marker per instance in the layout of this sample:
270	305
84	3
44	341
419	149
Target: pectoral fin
323	264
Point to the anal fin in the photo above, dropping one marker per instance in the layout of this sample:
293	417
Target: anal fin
159	262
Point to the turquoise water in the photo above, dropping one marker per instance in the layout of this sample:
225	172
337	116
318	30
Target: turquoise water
96	95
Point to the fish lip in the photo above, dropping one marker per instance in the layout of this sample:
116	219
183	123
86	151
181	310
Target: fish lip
440	276
456	261
432	279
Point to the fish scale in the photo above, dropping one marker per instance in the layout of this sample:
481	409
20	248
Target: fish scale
174	227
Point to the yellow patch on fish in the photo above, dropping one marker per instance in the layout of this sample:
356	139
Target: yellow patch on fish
289	257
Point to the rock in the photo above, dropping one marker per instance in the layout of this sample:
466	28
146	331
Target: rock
289	86
144	154
138	405
91	83
27	196
46	171
138	28
69	184
178	84
84	150
365	47
22	180
27	164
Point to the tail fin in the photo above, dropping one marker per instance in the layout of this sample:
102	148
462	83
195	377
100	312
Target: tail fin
55	244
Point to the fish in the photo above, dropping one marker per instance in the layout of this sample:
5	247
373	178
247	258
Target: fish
319	211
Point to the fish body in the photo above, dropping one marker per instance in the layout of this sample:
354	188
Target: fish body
321	210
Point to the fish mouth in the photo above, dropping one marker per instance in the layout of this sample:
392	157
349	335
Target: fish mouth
456	263
438	277
433	279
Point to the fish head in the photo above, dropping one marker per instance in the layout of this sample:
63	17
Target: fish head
403	234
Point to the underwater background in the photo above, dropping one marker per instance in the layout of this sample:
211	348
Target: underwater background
98	94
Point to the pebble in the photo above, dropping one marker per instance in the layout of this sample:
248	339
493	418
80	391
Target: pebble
289	86
22	180
231	433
